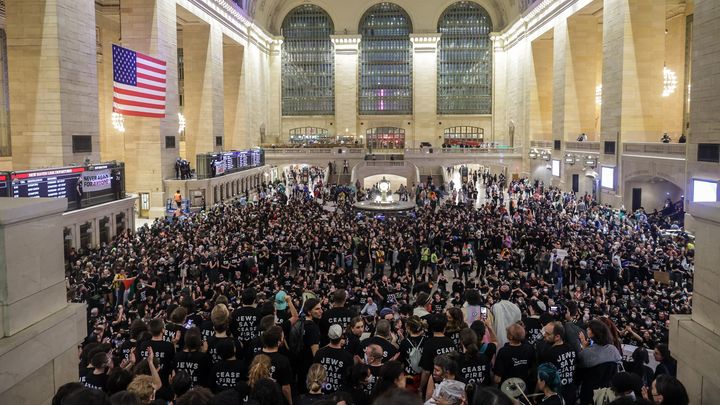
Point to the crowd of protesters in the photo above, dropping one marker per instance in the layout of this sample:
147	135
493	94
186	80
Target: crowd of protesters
286	301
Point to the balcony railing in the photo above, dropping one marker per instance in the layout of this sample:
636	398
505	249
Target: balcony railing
585	146
541	144
655	149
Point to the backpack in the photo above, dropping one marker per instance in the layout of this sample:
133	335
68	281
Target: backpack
295	342
414	356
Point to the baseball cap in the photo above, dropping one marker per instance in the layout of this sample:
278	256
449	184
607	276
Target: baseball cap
280	303
335	332
385	311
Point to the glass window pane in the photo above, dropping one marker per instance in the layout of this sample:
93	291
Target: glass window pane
385	61
308	62
465	60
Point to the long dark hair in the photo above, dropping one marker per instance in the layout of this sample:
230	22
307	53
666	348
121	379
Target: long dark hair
389	372
469	340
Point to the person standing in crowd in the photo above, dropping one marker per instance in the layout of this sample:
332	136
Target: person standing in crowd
281	371
548	382
598	360
563	357
336	360
516	358
435	345
505	313
310	337
194	360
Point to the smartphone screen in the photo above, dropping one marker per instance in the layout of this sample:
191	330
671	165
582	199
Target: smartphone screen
188	324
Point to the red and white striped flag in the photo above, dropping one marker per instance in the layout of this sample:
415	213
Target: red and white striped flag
138	84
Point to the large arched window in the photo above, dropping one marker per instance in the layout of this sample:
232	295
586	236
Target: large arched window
385	61
465	60
308	58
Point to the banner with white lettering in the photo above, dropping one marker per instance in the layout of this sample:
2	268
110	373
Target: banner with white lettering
96	180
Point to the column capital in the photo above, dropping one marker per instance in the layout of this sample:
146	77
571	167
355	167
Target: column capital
348	43
427	42
276	45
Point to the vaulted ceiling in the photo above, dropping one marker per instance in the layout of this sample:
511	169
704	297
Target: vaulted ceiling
269	13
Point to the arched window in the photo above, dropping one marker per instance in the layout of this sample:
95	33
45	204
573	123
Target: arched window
309	135
466	136
464	60
385	138
308	57
385	61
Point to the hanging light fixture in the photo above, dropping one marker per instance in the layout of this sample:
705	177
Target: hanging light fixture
181	123
669	82
118	122
598	94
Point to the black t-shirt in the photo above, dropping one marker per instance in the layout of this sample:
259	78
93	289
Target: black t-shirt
341	316
455	337
163	351
563	357
534	330
353	344
169	334
197	364
406	346
515	361
125	348
280	370
435	346
475	369
212	343
336	362
225	375
555	399
311	336
96	381
245	323
488	349
373	380
389	350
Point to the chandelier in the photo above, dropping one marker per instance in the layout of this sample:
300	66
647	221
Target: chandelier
669	82
118	122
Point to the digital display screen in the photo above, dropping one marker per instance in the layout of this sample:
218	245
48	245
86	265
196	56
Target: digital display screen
228	162
705	191
51	183
607	177
100	183
556	168
4	187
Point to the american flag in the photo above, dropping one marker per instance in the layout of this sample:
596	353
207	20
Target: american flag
138	84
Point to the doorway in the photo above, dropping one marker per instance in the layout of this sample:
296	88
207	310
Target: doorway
636	198
575	183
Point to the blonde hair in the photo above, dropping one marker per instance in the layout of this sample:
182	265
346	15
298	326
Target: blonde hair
142	386
316	377
219	315
259	369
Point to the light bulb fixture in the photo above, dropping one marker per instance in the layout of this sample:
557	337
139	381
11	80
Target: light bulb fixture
181	123
598	94
118	122
669	82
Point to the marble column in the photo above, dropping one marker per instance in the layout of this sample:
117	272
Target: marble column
39	330
425	51
695	339
150	27
346	82
203	89
232	79
53	80
541	90
632	80
275	97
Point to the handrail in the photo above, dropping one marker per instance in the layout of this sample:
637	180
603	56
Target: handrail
655	148
585	146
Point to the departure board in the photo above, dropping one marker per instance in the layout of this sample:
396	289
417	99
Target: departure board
50	183
222	163
4	187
